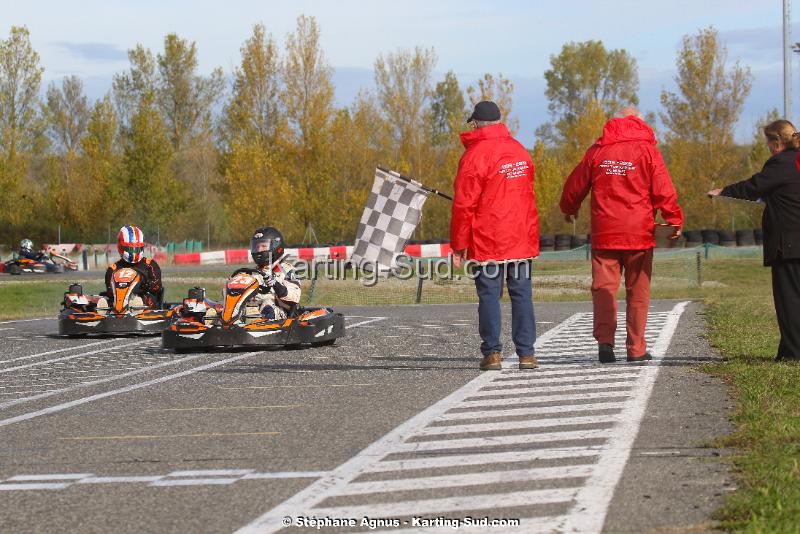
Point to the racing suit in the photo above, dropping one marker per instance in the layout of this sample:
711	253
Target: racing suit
280	293
29	255
150	289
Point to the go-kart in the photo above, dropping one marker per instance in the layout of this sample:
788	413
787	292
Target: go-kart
124	312
44	263
24	265
199	323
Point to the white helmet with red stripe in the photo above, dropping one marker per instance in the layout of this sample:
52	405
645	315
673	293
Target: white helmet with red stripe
130	243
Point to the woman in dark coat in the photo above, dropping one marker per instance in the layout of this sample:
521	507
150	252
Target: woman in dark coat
778	185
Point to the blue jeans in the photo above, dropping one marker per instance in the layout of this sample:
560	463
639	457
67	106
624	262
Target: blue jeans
489	283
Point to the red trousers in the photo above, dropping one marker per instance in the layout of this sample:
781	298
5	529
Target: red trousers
607	266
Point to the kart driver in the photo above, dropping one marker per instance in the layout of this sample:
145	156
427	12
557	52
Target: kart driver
280	289
26	251
130	244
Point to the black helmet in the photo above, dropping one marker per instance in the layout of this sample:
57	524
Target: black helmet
266	246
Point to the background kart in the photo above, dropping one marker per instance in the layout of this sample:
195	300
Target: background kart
200	323
47	263
125	313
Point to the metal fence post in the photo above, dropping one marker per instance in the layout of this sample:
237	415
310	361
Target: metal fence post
85	256
699	270
420	276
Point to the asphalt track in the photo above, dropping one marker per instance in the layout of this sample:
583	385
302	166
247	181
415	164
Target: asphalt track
394	421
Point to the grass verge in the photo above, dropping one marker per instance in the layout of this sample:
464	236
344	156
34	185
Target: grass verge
742	325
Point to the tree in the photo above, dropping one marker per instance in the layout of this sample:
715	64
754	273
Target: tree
711	96
183	98
448	110
150	195
102	202
403	79
586	72
500	91
308	101
253	112
67	113
20	125
700	121
251	124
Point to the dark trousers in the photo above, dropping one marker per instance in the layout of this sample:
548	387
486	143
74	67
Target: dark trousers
786	293
489	284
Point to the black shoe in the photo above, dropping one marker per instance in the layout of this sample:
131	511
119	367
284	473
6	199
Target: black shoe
606	353
646	356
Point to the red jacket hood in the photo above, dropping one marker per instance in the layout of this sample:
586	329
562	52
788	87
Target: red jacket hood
495	131
626	129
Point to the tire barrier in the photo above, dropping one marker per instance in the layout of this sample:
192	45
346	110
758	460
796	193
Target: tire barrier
727	238
563	242
547	243
710	236
693	238
745	238
578	241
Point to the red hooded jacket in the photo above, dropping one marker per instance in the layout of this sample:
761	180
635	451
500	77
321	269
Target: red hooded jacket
494	210
629	181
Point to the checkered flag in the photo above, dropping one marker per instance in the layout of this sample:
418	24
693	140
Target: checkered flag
392	212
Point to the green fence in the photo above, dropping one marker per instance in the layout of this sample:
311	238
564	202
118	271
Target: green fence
183	247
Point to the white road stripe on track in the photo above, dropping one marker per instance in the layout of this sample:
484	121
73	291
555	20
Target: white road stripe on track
140	385
56	351
482	458
470	479
70	357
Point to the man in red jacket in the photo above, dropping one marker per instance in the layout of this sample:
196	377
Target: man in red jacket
628	180
495	224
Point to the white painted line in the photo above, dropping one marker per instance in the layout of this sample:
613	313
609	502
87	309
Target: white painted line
65	476
194	482
485	414
132	387
583	379
483	458
531	390
471	479
44	486
81	385
449	504
365	322
71	357
26	320
286	474
593	499
210	472
65	349
529	439
514	425
481	403
119	480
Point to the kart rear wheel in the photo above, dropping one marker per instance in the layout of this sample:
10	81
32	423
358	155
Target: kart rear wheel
13	269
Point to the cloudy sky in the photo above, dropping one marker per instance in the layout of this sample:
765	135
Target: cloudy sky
514	37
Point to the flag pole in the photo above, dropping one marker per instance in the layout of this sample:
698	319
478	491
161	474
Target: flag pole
411	180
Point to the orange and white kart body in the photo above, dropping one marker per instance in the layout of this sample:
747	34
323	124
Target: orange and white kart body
200	323
122	312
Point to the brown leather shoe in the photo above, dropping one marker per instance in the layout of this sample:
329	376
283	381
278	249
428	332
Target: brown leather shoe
491	362
528	362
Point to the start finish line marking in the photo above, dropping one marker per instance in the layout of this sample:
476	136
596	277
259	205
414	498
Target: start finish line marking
574	416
